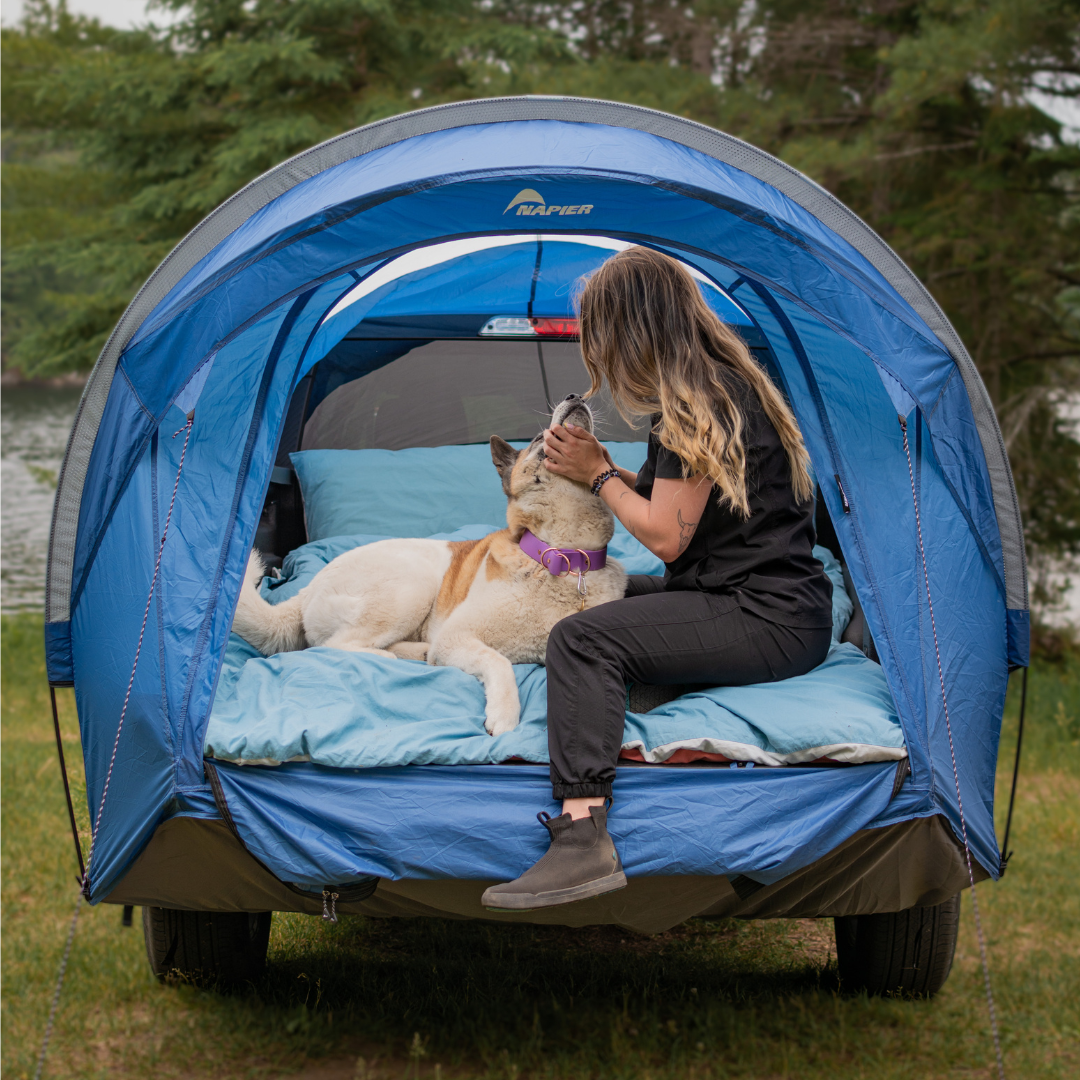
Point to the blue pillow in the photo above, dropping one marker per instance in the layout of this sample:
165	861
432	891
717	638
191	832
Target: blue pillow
414	492
842	607
429	490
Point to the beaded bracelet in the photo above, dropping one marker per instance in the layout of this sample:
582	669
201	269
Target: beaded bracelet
602	479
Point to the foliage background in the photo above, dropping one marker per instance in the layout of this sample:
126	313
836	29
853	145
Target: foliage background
916	113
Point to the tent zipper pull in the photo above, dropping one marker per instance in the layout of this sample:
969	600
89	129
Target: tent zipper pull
329	910
843	494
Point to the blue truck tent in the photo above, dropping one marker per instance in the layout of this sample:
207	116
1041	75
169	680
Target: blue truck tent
435	215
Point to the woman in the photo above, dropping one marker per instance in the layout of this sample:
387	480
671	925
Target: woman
724	499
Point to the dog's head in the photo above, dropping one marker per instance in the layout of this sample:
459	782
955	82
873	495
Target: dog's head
562	512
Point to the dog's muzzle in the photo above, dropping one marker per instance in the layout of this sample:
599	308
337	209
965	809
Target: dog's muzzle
574	408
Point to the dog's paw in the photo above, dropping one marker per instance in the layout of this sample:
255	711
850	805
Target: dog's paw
499	721
411	650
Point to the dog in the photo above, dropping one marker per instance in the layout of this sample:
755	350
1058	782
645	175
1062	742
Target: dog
479	605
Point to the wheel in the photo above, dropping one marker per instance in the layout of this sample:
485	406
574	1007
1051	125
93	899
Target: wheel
207	946
907	953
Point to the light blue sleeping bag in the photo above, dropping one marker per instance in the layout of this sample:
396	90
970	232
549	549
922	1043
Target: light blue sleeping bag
354	710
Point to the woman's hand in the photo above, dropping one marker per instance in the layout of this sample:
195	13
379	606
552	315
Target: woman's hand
575	453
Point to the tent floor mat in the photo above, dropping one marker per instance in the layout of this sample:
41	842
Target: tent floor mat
196	864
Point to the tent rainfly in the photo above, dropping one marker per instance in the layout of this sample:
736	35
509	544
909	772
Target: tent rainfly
239	313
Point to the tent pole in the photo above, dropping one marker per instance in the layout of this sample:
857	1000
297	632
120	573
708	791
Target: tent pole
1006	854
67	786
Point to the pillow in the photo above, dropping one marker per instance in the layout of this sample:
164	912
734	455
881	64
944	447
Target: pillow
842	607
440	489
414	492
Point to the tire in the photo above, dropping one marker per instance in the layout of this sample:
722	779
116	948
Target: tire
903	953
207	947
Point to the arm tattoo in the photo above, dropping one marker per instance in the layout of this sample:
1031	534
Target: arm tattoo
686	532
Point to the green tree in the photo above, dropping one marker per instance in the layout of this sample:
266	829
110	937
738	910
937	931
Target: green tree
57	296
917	114
118	143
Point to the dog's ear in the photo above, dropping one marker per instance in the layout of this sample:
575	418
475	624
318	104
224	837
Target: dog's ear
505	458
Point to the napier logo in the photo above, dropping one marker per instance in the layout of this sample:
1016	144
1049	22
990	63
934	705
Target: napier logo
531	203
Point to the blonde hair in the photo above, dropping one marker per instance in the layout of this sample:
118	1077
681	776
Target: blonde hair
647	330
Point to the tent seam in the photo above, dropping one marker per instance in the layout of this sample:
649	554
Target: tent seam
135	394
941	392
159	612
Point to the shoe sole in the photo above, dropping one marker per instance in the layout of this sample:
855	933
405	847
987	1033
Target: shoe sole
532	901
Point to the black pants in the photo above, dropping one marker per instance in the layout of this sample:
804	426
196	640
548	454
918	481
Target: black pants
654	637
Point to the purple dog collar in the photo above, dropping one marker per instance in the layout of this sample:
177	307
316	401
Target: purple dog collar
562	561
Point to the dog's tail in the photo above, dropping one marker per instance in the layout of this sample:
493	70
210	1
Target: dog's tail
271	628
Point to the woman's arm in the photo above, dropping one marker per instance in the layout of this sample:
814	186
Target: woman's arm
665	525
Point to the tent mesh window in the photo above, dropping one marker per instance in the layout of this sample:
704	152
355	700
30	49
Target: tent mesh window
439	393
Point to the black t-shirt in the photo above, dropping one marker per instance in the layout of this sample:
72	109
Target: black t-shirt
765	561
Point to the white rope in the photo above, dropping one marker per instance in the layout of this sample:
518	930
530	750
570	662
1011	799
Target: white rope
956	772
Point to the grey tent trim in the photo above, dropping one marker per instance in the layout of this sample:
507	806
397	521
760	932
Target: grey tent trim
236	210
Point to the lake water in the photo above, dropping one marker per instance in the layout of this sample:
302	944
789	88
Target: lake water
34	426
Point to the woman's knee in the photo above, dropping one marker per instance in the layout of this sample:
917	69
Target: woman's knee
577	635
565	637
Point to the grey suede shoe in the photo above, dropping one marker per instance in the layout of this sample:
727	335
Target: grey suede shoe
581	862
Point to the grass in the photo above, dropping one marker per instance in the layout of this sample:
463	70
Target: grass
379	1000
